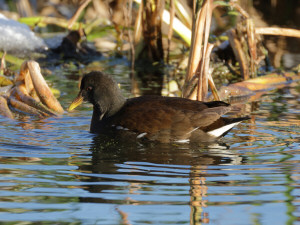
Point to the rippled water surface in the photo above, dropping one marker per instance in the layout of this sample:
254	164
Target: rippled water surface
55	172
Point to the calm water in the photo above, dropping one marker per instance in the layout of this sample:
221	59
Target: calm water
55	172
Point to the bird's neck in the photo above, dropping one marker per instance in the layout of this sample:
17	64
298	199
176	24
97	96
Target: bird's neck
96	120
102	113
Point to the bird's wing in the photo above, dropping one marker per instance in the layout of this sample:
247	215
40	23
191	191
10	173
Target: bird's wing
162	122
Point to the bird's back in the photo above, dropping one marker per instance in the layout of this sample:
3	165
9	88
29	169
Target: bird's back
167	119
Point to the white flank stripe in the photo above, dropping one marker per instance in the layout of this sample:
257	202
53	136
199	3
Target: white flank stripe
193	130
183	141
141	135
218	132
120	127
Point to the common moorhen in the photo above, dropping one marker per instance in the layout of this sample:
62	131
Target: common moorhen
162	119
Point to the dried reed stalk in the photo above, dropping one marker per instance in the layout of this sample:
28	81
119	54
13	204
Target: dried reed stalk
208	77
235	5
77	13
204	66
24	77
128	20
2	67
170	31
151	24
42	89
196	46
137	25
278	31
4	109
22	95
251	41
200	55
182	27
184	12
29	94
24	8
16	104
239	53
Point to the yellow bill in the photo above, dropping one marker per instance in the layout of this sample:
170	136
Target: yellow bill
76	102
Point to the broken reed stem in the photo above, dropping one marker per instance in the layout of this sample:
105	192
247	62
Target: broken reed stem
202	88
251	39
278	31
128	19
4	109
214	90
29	84
191	87
200	55
159	16
45	94
239	53
183	13
77	13
2	63
137	25
24	8
239	9
196	47
209	76
16	104
22	94
151	27
24	77
204	70
170	31
197	40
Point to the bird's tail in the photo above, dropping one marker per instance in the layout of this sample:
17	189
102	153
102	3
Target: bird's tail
228	124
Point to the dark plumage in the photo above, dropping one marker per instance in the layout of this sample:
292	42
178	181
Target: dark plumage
163	119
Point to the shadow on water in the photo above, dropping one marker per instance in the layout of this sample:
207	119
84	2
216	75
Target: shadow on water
149	166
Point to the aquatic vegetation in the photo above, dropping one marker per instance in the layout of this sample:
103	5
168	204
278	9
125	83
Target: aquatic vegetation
30	94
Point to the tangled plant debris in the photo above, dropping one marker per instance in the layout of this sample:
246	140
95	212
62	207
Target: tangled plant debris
30	94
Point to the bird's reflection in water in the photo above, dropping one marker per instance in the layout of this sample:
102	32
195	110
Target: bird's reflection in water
114	161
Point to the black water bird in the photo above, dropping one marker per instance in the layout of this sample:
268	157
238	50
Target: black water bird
156	118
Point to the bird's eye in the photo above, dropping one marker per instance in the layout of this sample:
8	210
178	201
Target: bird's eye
89	88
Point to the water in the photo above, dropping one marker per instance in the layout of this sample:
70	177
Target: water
55	172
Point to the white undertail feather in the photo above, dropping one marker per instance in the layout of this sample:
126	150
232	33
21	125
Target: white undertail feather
141	135
218	132
183	141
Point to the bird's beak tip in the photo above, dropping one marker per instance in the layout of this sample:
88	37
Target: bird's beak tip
76	102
